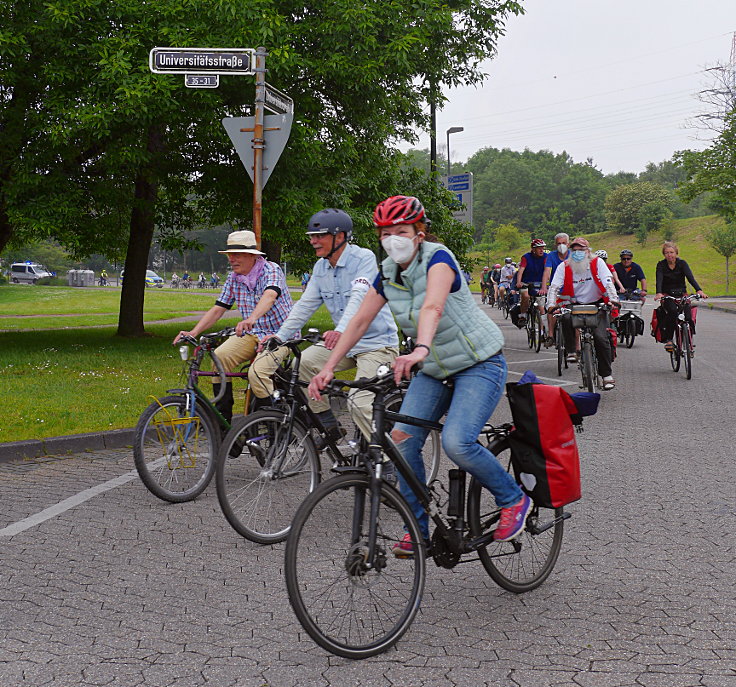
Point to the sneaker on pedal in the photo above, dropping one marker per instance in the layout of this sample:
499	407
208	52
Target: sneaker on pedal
669	346
404	548
513	520
549	342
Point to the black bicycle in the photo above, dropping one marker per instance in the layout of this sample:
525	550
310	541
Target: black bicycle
683	349
535	333
178	436
269	460
560	347
629	323
351	595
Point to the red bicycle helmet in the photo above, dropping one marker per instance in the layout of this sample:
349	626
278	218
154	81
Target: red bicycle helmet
398	210
538	243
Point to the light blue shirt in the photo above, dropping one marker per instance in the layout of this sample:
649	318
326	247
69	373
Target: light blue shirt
342	289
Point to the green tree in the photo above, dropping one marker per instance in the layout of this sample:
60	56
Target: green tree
723	240
101	151
624	205
714	170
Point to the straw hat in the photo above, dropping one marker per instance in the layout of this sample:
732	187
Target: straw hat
242	242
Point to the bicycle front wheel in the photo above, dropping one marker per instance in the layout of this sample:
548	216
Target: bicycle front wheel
175	448
631	330
263	474
524	563
348	608
687	350
586	363
539	327
561	352
676	352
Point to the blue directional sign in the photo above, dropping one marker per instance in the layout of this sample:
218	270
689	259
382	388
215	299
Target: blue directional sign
462	186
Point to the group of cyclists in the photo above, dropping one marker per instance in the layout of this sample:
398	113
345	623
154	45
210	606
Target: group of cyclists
456	367
185	281
573	273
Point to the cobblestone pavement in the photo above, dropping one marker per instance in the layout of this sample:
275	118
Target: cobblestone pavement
118	588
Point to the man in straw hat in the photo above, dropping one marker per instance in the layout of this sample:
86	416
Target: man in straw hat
258	288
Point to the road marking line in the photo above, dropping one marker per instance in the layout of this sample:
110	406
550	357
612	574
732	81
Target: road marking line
66	504
526	362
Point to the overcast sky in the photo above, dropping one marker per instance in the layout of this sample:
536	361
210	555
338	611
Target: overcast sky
614	80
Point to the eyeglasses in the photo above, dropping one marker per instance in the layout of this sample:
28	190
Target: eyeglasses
625	258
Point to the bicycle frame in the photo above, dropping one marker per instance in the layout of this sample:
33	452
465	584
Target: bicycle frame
380	449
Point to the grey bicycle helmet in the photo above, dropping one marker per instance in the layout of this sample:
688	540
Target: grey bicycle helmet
331	221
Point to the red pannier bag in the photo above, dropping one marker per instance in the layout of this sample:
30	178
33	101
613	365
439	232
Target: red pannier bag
656	333
544	453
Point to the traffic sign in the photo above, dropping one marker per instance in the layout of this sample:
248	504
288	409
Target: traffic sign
277	101
223	61
276	130
201	80
462	186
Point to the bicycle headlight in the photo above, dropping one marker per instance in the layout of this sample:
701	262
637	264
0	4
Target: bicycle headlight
184	352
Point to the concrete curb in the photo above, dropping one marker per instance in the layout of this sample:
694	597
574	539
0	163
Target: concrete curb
74	443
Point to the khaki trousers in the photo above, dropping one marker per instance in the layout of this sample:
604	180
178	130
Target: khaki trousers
236	350
313	360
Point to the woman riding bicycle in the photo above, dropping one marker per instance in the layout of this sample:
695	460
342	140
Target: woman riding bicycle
463	370
671	275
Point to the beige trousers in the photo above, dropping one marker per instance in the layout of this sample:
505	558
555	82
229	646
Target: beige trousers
313	360
237	350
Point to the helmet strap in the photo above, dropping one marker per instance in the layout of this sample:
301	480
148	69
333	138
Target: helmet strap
334	247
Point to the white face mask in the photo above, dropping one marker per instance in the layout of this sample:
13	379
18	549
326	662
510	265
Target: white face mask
399	248
562	248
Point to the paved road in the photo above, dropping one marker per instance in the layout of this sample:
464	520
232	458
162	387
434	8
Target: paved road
117	588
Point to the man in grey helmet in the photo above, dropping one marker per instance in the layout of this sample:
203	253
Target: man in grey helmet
340	279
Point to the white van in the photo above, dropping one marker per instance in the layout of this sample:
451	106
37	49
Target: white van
27	272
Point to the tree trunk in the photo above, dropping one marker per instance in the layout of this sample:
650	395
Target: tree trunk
142	224
271	249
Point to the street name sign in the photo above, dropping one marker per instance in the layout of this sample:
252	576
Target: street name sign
277	101
201	80
222	61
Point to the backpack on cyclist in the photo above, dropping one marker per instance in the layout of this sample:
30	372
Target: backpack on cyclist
544	453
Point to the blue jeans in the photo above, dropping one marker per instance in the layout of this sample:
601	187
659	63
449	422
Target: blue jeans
469	403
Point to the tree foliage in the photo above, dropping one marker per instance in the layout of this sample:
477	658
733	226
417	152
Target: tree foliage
97	151
630	206
713	170
723	240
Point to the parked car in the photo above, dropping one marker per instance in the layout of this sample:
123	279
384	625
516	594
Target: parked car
27	272
152	279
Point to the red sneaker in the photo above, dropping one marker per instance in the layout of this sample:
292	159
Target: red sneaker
513	520
404	548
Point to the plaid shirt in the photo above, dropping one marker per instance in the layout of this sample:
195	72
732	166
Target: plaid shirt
246	299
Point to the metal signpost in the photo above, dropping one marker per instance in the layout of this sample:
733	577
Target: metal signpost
462	186
202	68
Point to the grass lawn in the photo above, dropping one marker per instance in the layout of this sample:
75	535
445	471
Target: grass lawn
67	381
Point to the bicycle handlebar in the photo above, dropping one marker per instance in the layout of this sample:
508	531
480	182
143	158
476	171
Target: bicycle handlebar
684	299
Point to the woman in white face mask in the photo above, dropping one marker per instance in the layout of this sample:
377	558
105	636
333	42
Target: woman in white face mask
423	285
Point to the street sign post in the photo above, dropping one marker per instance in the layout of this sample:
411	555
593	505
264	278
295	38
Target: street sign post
462	186
201	80
202	68
222	61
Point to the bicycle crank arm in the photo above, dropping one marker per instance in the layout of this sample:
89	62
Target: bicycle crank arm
549	525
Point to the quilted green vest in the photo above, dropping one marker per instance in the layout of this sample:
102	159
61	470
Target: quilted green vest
465	335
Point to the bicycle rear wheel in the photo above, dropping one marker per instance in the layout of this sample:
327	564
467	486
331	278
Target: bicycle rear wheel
687	350
630	332
524	563
175	448
531	331
347	608
263	474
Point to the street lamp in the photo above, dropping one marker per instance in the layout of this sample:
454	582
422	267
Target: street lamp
451	130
